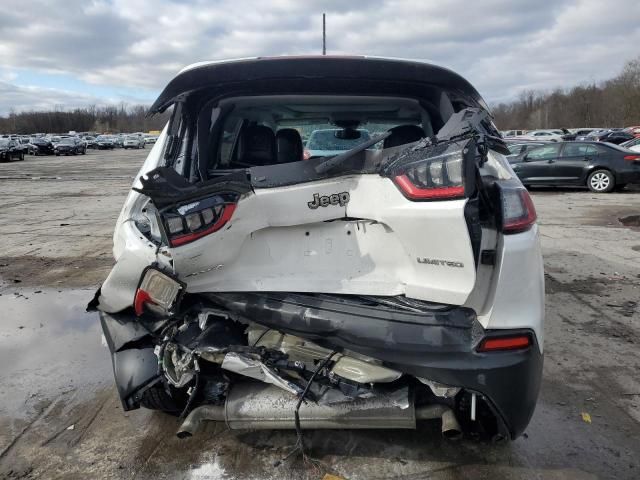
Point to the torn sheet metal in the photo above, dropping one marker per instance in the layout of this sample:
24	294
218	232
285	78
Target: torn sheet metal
440	389
167	187
253	368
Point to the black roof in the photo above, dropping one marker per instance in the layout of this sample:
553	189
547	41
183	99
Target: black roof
295	72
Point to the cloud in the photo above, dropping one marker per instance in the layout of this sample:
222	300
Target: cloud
501	46
14	98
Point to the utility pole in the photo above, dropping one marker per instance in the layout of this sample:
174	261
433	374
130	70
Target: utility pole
324	34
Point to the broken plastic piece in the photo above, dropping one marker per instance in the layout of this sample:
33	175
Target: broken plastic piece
252	368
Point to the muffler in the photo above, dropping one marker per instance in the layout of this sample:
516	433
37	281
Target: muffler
258	406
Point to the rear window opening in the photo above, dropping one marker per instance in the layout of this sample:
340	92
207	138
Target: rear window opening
271	130
210	137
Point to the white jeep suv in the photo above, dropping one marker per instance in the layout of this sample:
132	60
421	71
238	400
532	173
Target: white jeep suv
398	281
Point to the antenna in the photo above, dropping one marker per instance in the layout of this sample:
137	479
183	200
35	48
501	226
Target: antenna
324	34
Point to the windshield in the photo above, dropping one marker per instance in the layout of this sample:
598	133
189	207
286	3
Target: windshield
67	141
334	139
4	142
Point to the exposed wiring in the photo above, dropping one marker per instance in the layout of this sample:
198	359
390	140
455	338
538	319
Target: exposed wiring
299	446
194	391
260	337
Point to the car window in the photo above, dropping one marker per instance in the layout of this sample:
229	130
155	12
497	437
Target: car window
514	149
544	153
575	150
593	151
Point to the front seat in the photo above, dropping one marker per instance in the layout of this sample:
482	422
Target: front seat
403	134
289	145
256	146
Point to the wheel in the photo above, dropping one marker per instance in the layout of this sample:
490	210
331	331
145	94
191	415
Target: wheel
22	157
157	398
601	181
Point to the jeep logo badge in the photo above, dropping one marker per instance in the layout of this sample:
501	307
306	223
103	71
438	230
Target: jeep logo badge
324	201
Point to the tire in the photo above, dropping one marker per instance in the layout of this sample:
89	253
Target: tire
157	398
601	181
22	157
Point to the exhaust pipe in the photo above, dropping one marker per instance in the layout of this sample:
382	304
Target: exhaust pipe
450	427
258	406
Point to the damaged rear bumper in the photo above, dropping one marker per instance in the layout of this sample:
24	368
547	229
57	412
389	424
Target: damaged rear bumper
434	342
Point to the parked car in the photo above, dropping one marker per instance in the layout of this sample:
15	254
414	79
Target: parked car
90	141
546	135
402	282
514	133
519	147
66	146
602	167
635	131
150	139
575	133
591	136
81	145
614	136
133	141
105	142
118	140
332	141
40	146
10	150
633	144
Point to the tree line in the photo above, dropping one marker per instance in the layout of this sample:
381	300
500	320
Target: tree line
612	103
107	119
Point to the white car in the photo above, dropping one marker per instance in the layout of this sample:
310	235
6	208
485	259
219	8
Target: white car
369	289
133	141
633	144
546	135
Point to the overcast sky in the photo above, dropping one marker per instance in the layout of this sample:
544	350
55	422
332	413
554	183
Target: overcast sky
77	52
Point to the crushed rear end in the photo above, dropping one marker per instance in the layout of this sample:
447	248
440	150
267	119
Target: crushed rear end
394	283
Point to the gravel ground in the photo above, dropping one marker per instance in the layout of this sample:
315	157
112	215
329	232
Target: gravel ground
59	412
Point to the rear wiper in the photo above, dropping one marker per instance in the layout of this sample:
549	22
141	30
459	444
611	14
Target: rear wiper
339	159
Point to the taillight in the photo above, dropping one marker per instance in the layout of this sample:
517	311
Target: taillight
157	292
518	211
494	344
438	175
632	158
195	220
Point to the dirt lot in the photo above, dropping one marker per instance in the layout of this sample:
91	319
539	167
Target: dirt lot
60	416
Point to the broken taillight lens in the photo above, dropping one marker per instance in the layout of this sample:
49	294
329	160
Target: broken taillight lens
195	220
157	292
518	211
439	175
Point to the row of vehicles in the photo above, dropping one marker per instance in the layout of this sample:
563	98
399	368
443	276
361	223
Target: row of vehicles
611	135
20	145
